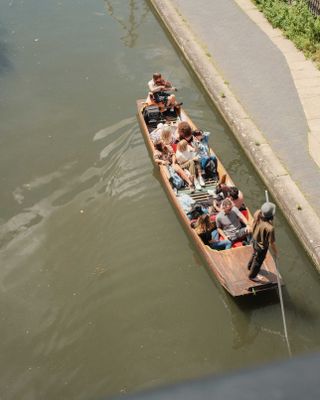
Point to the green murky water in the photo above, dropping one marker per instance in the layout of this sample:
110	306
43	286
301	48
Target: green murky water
101	291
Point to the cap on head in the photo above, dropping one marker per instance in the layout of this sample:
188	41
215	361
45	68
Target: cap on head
268	209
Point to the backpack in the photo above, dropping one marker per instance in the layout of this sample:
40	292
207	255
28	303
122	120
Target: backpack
210	170
195	212
175	179
152	116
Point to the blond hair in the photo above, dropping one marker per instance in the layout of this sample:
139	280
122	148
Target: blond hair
182	145
166	134
227	202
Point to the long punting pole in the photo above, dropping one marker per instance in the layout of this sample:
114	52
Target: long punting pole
281	297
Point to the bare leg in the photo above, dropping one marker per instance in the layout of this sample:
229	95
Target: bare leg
198	168
190	166
183	175
171	102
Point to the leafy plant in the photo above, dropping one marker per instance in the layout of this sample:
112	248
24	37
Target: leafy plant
297	23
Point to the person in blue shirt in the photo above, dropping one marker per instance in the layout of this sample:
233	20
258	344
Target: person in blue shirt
200	143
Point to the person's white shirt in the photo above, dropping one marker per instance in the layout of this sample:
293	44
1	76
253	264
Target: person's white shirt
153	87
184	156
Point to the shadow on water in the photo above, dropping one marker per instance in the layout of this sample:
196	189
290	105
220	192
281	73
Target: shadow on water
5	63
131	26
241	311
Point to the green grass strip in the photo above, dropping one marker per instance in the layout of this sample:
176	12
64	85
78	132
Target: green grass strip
296	22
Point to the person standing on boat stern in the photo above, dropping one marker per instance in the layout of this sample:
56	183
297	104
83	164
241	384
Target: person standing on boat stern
263	236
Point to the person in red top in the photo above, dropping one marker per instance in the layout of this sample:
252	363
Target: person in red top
262	237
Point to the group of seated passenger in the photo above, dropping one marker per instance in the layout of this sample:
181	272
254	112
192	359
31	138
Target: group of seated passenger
226	227
190	153
164	155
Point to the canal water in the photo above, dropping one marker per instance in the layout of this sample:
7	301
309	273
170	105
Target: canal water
101	291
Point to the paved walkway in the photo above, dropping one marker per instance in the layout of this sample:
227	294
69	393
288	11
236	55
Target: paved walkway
259	76
272	92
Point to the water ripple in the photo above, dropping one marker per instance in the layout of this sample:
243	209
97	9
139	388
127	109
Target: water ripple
117	171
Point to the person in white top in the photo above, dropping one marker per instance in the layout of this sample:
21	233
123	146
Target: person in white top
188	159
160	89
155	135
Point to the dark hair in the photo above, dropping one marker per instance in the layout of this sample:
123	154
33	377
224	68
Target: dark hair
234	192
223	188
184	129
266	218
203	223
158	146
197	133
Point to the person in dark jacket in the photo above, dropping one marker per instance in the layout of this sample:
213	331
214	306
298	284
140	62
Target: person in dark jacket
263	236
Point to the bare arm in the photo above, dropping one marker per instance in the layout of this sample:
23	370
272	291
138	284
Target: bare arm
174	160
161	162
243	219
158	160
217	205
154	88
221	233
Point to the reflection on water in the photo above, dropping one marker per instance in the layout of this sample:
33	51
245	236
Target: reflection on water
110	173
5	63
135	19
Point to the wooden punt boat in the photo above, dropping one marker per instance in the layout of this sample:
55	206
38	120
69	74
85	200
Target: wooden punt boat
228	266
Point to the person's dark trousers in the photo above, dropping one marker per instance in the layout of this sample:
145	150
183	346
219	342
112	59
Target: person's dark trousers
160	97
256	260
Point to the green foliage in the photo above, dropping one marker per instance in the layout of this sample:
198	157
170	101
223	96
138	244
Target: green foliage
297	23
